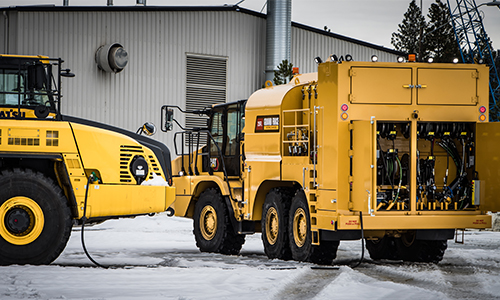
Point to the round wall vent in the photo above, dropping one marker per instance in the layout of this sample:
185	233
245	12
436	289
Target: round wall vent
111	57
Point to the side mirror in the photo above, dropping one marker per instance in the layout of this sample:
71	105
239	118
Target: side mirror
148	128
169	117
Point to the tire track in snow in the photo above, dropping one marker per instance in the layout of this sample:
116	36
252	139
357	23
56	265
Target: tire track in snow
307	285
457	280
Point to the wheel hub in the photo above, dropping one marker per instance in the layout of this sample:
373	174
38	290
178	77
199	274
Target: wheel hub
21	220
408	238
272	225
299	227
18	220
208	222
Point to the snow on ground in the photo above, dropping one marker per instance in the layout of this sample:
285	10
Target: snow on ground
156	258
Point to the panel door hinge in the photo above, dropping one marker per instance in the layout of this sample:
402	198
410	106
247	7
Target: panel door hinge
352	73
475	74
351	98
474	99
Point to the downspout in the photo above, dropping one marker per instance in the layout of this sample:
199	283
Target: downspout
6	33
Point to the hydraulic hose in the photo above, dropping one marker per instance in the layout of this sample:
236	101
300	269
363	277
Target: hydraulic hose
84	219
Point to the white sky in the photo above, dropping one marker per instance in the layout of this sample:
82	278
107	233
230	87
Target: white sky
368	20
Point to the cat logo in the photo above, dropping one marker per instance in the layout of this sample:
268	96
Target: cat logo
214	163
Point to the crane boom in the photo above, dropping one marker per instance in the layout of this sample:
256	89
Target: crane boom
475	44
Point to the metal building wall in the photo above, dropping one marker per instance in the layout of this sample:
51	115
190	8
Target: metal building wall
157	43
308	44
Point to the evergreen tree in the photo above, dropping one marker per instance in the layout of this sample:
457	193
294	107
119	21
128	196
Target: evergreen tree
410	36
440	36
284	72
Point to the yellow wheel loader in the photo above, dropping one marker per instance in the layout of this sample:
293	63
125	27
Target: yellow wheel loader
57	171
400	155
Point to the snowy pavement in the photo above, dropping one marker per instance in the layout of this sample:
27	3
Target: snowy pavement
156	258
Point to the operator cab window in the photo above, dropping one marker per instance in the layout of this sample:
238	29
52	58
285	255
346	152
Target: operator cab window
11	83
14	87
233	129
217	131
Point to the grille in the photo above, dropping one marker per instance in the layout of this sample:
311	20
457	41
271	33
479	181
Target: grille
126	155
154	166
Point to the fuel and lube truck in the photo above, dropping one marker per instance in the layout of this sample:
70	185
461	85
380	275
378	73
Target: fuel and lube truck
400	154
57	170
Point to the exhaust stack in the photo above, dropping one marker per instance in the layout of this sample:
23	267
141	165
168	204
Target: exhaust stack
278	34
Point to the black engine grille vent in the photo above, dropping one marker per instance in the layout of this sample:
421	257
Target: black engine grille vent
126	154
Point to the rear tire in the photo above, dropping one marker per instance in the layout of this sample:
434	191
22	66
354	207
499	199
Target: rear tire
274	224
384	248
35	220
411	249
300	236
213	230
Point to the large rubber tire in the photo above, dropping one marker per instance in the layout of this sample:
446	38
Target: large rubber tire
35	220
384	248
300	235
213	230
411	249
274	224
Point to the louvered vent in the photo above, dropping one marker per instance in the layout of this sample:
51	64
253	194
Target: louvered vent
154	166
126	154
205	86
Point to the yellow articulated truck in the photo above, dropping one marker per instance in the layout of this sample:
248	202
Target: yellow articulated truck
401	154
56	170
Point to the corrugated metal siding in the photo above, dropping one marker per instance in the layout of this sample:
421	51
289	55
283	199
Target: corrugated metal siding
306	45
157	43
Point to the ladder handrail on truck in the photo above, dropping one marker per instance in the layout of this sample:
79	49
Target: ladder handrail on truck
390	143
57	171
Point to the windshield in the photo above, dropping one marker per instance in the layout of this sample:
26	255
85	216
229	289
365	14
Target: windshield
16	88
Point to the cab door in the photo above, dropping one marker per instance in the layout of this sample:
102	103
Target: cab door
488	164
226	126
232	143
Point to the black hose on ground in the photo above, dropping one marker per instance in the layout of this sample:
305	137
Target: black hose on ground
362	241
84	219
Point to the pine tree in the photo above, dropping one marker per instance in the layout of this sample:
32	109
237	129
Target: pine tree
410	36
284	72
440	36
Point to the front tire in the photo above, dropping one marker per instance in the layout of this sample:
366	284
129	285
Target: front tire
212	228
300	235
35	220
